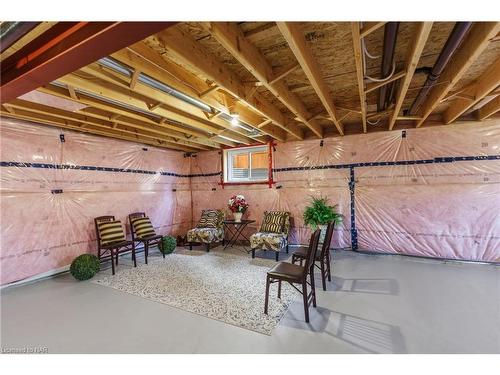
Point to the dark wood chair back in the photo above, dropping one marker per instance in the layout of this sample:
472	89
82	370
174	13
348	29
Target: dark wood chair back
99	220
328	239
131	217
311	251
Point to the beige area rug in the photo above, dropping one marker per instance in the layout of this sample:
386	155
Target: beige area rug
218	285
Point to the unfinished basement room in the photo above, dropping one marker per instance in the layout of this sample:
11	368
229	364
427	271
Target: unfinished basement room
250	187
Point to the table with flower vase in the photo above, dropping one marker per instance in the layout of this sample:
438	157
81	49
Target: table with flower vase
235	229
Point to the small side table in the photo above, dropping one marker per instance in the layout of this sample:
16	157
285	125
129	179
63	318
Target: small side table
235	229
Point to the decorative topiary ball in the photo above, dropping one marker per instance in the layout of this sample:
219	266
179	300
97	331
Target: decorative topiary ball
85	266
168	244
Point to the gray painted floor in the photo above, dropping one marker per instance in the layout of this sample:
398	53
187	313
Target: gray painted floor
375	304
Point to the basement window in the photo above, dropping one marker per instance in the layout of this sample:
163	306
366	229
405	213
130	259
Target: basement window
246	165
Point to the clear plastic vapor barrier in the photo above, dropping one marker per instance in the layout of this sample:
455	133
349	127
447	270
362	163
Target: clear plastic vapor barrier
51	191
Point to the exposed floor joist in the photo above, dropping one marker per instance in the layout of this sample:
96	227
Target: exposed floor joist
488	81
475	43
358	57
294	35
184	47
232	39
422	32
489	109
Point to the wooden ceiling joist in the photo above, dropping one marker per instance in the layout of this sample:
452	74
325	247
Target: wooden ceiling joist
185	48
233	40
106	123
74	125
358	58
168	102
487	82
475	43
369	27
294	35
154	65
423	30
489	109
133	98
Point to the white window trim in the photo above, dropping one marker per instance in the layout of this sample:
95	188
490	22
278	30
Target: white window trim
227	160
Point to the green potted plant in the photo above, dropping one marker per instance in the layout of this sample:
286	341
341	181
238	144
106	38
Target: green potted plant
319	214
167	244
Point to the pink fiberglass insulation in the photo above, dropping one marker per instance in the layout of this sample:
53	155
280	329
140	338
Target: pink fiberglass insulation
42	231
435	209
442	210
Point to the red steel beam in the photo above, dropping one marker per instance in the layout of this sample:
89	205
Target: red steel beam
67	48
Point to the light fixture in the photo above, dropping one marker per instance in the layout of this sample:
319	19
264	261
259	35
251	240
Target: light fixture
235	119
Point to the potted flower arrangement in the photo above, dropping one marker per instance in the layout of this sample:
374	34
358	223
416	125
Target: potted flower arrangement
319	214
238	205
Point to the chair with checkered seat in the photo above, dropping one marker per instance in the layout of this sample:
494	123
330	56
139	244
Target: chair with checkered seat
210	229
273	233
143	232
111	238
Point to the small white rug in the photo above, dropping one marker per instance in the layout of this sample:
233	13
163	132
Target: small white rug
218	285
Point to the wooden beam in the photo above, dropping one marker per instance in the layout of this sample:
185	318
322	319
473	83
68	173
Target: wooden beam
414	52
294	35
136	117
260	31
369	27
264	123
91	119
487	82
72	93
135	77
232	39
475	43
156	66
489	109
209	91
358	58
283	71
375	86
184	47
168	102
73	125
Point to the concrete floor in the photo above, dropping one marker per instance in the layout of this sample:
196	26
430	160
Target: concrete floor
375	304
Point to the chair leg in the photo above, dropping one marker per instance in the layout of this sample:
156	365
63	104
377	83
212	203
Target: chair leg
277	255
304	297
146	250
323	276
253	253
117	256
279	289
112	262
208	247
190	246
328	267
313	286
294	258
266	303
287	248
133	255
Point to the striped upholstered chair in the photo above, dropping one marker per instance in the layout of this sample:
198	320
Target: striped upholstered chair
111	238
273	233
143	232
210	229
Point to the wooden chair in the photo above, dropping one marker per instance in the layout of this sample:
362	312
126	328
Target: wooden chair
295	274
322	257
147	240
112	240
